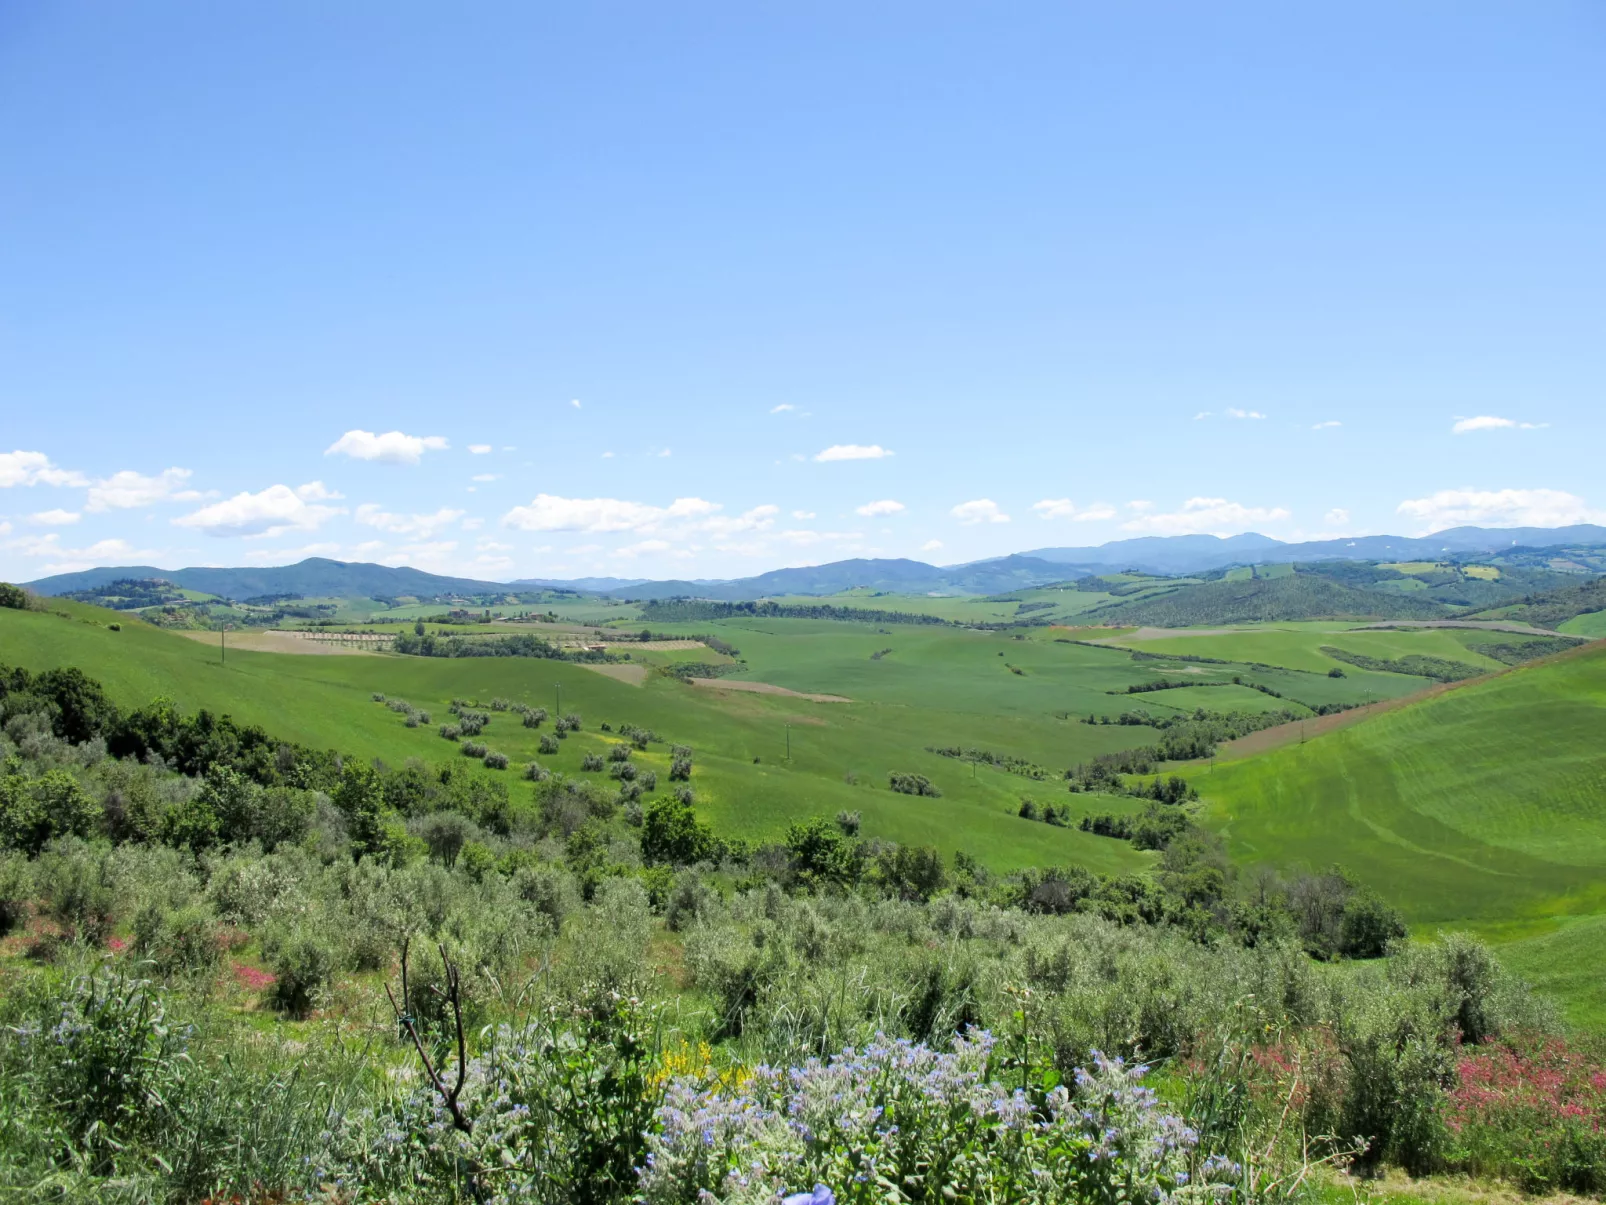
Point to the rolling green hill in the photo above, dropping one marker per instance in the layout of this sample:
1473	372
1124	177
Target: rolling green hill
1483	807
841	753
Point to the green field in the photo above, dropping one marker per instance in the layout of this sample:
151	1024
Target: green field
744	786
1592	625
1483	808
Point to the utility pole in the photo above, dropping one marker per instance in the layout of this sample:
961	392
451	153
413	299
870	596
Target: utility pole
789	742
223	644
558	686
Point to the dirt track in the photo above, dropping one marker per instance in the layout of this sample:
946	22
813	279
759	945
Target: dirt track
764	688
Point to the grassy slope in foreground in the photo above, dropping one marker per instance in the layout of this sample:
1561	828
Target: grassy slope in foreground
1484	807
324	701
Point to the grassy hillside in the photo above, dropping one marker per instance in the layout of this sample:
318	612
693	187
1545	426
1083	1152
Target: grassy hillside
743	785
1482	807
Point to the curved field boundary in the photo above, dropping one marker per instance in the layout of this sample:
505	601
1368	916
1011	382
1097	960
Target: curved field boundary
1301	730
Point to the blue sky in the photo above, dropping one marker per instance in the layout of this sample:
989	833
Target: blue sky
645	290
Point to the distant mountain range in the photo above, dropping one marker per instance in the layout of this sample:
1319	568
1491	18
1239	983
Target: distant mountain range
318	577
1198	554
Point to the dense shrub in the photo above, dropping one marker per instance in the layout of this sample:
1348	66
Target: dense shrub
913	784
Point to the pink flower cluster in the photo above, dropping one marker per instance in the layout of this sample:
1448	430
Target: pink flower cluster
252	978
1545	1081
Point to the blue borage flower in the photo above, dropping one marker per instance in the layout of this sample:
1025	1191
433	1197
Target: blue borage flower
901	1115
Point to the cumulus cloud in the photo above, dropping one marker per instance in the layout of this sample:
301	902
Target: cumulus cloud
420	527
128	489
782	408
980	510
550	512
1064	508
760	518
1328	425
479	449
317	491
35	468
271	512
70	560
1338	517
853	452
931	546
1236	412
1489	422
393	447
802	514
1201	415
54	518
575	402
1213	516
886	506
1499	508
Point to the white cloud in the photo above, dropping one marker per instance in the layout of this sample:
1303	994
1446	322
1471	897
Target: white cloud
575	402
1499	508
549	512
1200	415
473	524
128	489
271	512
102	552
1488	422
782	408
316	491
479	449
34	468
1235	412
393	447
853	452
430	556
1338	517
665	452
486	477
489	545
1140	506
54	518
5	528
1214	516
885	507
421	527
607	455
981	510
760	518
1064	508
1328	425
802	514
931	546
